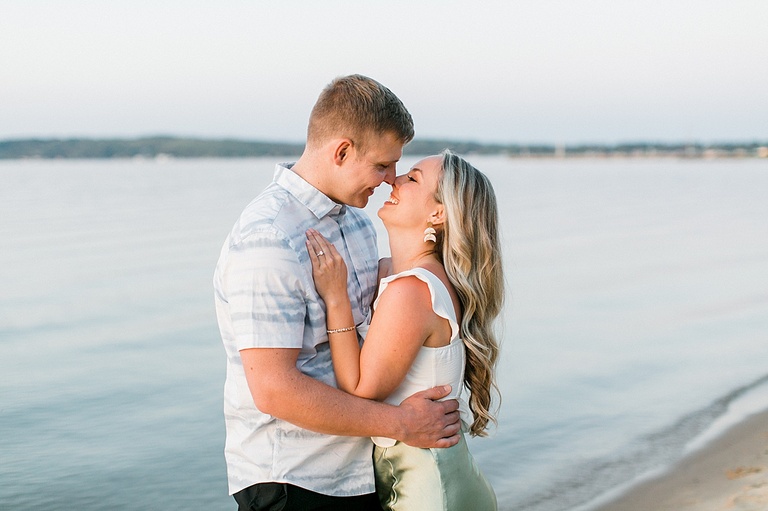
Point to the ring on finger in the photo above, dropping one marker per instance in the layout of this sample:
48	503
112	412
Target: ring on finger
320	253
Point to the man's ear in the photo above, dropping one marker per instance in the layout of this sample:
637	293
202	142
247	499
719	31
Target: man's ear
342	151
437	217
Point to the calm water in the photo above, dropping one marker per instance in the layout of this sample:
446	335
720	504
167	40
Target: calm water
637	321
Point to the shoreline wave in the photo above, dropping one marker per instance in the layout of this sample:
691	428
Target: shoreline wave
594	483
707	425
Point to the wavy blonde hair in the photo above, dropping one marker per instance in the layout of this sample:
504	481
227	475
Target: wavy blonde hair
468	244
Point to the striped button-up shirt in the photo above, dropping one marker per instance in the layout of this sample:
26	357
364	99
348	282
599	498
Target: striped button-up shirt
265	298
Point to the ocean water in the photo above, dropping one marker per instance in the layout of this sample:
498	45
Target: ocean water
636	326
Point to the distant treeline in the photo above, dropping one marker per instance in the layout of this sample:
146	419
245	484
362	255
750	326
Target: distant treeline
150	147
172	147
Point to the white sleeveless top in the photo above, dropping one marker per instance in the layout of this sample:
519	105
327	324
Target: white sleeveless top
432	366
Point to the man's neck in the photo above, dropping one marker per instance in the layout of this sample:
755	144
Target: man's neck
309	171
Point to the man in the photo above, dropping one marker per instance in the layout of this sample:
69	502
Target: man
293	439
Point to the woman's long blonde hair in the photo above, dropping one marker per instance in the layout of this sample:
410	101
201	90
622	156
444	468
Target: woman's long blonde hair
470	249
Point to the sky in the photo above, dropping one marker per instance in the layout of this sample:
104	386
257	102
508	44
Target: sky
538	71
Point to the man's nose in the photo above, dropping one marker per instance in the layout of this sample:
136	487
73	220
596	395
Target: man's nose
389	178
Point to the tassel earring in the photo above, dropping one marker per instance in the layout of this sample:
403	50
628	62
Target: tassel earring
429	234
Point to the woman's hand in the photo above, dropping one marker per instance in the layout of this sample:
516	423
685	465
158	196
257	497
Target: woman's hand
330	273
328	268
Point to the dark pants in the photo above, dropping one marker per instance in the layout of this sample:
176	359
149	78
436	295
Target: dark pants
286	497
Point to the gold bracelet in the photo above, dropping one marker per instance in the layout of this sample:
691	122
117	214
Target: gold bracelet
339	330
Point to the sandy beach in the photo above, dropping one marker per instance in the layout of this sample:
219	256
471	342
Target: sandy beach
731	473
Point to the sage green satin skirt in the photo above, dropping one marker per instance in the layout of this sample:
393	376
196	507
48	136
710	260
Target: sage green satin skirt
413	479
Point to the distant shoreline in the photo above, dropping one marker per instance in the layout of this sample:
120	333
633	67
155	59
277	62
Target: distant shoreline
177	147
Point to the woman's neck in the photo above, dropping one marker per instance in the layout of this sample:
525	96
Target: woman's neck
408	251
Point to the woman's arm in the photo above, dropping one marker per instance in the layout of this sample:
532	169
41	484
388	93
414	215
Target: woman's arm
330	274
403	321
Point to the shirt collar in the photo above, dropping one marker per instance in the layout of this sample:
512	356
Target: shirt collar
312	198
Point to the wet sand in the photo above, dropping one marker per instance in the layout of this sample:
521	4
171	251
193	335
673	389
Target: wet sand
729	474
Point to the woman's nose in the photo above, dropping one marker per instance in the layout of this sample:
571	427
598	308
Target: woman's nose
398	180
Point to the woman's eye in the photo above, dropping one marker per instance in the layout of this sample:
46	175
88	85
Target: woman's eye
411	179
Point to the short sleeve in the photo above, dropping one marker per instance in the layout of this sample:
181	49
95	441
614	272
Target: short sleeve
266	295
441	298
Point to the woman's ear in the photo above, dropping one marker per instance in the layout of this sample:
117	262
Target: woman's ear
437	217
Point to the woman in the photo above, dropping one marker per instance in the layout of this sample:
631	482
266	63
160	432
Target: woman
432	325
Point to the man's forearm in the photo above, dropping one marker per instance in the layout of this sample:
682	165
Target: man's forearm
313	405
278	388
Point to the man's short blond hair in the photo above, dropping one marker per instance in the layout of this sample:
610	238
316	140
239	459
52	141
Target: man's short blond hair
358	108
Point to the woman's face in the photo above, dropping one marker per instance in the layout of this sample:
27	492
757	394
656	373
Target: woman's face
412	201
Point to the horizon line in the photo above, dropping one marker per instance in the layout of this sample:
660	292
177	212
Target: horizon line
627	142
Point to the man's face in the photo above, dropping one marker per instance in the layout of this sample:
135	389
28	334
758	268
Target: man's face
362	173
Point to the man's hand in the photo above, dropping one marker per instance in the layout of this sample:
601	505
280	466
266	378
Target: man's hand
427	422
